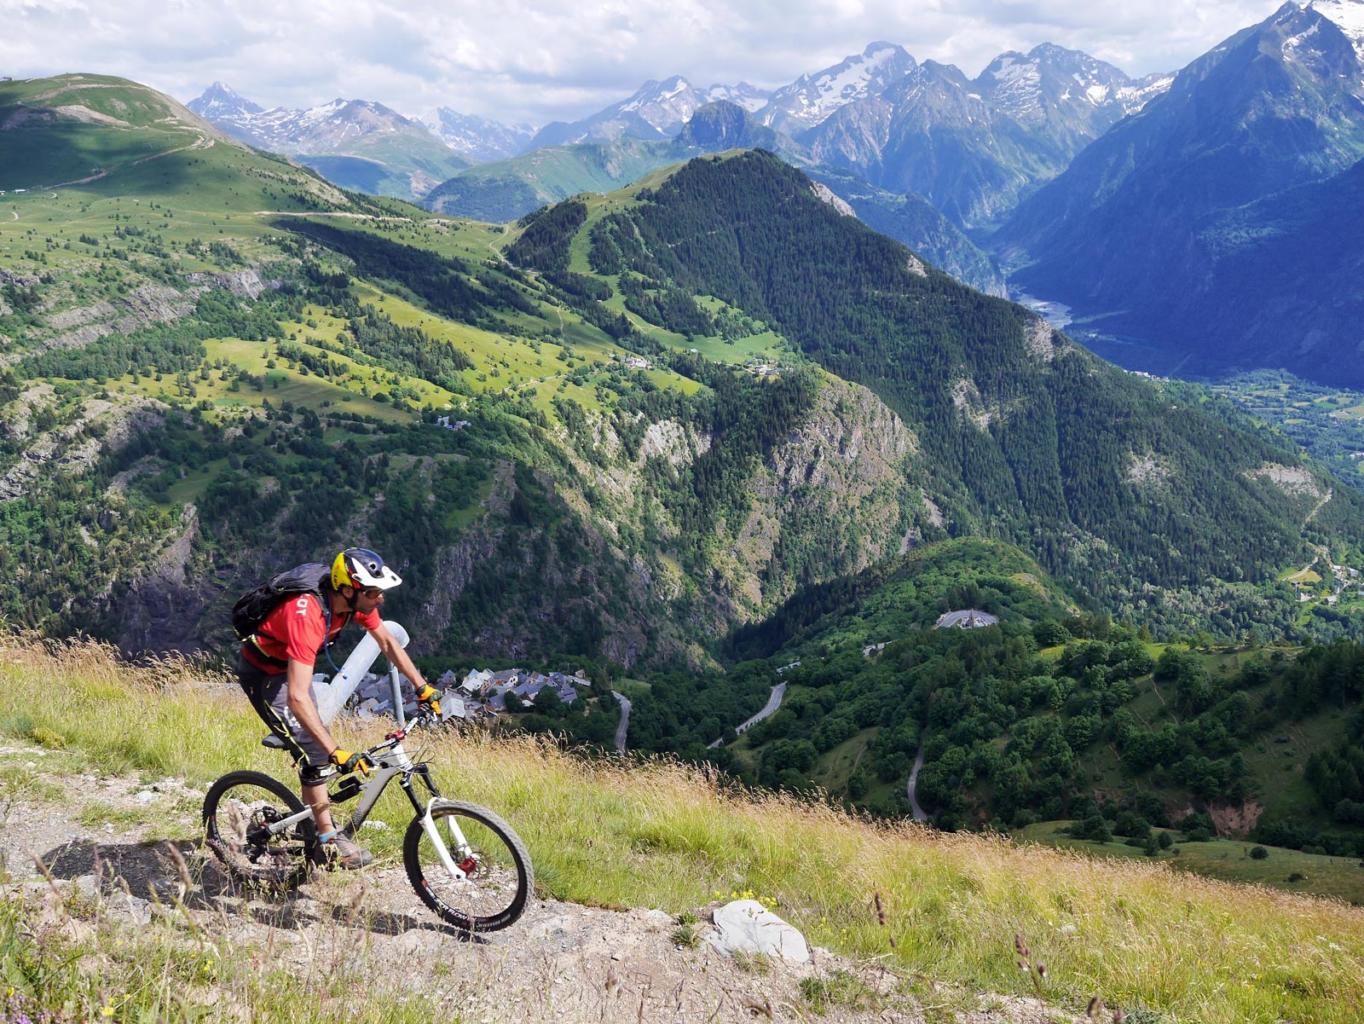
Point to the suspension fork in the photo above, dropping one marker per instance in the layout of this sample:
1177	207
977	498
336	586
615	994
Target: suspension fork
462	849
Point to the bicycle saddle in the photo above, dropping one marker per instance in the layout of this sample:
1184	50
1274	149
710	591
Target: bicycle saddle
273	742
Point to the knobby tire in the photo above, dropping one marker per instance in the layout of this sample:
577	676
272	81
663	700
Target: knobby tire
496	833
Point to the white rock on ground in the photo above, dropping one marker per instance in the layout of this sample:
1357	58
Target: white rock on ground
746	926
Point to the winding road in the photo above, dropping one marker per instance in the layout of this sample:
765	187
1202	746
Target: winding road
769	709
919	813
624	726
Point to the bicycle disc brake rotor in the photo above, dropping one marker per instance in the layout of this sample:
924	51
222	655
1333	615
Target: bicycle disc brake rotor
244	827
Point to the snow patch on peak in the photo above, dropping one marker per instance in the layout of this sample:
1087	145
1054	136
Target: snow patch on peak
1348	16
1135	96
1293	42
811	98
743	95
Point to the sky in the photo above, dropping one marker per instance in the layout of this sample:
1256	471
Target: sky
535	61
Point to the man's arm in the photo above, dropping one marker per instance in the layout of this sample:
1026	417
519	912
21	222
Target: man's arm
397	657
301	703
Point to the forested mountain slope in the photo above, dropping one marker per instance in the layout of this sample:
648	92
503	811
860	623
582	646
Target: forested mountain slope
510	189
666	410
1028	437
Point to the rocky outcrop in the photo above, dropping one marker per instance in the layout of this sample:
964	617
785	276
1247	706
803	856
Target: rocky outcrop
82	325
831	499
245	284
826	195
102	426
165	600
1294	481
18	414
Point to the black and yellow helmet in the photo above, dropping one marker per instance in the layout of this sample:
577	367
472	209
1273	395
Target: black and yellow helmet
362	569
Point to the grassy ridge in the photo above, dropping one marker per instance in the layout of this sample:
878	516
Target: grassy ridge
1228	859
658	834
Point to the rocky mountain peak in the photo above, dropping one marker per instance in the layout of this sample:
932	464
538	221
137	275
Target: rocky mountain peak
1322	30
1029	88
811	98
220	100
480	139
725	125
1347	15
665	104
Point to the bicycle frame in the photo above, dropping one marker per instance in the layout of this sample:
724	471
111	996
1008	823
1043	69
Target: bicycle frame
392	762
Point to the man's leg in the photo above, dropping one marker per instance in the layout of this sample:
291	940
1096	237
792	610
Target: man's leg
269	696
315	796
314	770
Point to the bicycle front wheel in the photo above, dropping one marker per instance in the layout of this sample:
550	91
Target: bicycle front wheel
238	810
498	874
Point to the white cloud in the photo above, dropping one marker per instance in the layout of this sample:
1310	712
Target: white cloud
535	60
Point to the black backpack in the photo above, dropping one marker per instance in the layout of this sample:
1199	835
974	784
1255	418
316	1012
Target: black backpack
254	606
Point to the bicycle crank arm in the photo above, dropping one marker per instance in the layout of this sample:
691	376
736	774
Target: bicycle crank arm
284	824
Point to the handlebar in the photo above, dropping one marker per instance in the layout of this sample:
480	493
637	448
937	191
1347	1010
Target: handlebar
421	718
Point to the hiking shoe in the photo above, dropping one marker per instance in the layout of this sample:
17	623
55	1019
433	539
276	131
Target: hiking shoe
346	854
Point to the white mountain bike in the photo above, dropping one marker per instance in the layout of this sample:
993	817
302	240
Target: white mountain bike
464	862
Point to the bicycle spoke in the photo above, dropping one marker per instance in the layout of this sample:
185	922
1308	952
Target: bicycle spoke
493	891
238	813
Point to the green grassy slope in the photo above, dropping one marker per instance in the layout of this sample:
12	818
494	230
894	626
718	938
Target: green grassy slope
352	323
1139	935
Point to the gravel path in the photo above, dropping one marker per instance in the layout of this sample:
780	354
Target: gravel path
561	962
912	787
623	727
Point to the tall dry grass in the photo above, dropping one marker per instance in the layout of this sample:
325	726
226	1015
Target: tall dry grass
659	834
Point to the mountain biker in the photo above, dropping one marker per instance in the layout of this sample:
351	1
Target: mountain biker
275	668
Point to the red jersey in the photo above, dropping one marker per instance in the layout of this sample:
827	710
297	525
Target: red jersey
294	632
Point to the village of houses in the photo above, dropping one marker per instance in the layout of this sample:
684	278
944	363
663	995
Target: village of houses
1342	582
481	696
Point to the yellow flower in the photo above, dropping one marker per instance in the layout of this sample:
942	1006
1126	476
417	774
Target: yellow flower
107	1011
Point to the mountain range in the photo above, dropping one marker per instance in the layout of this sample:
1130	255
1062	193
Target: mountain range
656	110
972	147
1210	230
355	143
708	416
857	115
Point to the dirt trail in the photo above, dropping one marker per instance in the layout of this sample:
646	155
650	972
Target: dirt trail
563	962
202	142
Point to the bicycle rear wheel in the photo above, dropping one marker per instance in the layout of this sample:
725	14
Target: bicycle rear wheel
498	871
237	810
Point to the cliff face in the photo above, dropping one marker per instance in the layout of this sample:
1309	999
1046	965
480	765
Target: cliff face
836	496
599	564
602	562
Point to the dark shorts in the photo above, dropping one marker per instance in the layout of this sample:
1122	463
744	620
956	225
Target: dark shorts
269	695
